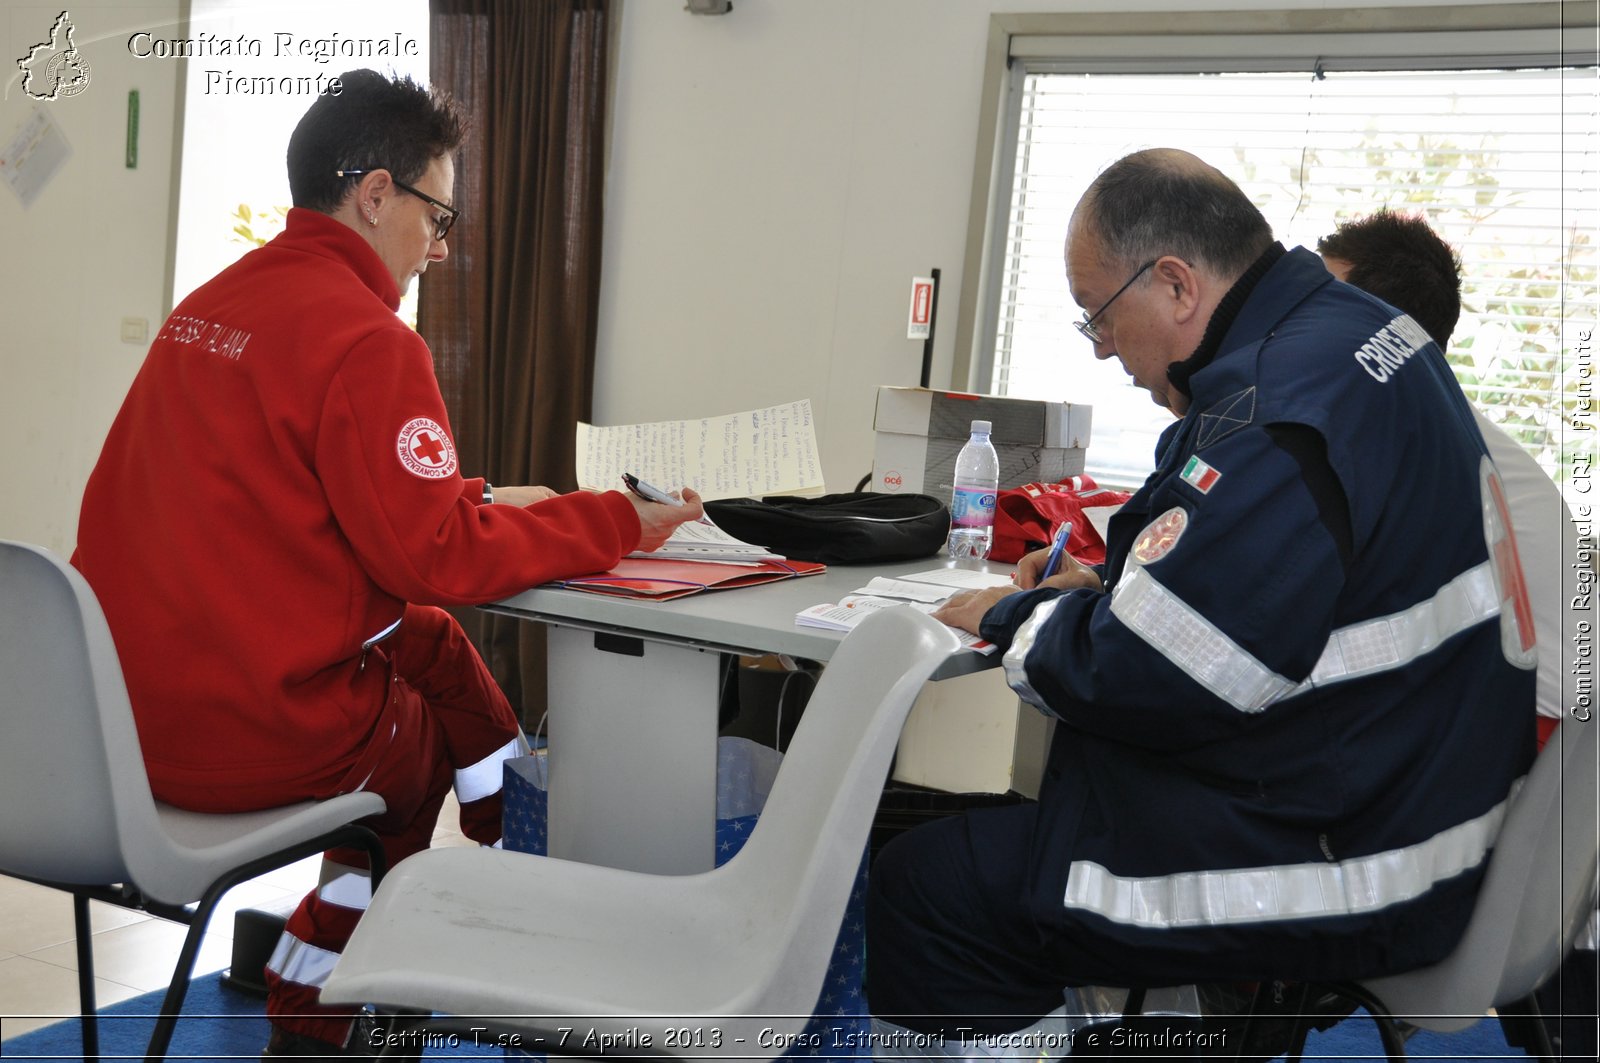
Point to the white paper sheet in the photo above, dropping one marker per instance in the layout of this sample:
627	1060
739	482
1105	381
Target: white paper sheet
759	452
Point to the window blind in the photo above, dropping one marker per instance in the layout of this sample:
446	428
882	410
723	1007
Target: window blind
1502	162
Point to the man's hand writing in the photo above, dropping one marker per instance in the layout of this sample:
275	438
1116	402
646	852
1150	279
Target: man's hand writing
965	610
1070	575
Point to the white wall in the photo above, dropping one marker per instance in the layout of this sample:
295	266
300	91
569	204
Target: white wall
777	176
89	251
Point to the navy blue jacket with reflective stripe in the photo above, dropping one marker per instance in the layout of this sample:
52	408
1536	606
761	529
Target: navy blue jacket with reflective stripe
1276	757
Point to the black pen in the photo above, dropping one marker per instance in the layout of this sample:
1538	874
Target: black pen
648	492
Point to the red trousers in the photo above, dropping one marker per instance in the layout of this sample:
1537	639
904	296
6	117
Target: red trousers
452	727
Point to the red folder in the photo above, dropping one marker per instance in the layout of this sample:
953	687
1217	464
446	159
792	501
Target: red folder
661	579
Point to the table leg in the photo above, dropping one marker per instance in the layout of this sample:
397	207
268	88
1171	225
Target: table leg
633	752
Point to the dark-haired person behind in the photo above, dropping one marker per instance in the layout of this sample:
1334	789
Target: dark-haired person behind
1400	258
278	513
1293	702
1403	261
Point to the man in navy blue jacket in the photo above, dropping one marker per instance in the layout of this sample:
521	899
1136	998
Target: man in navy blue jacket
1295	699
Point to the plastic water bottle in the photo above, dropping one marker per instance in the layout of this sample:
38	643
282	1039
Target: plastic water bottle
972	502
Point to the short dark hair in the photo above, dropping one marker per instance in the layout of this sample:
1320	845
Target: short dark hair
1165	202
373	122
1401	260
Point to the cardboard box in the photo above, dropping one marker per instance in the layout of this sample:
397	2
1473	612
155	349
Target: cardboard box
920	432
971	734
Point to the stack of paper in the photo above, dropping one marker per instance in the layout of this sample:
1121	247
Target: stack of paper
923	591
701	540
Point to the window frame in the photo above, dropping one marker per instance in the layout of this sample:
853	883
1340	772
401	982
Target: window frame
1443	38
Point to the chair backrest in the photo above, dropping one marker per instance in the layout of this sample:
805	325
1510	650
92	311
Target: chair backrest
72	779
802	856
1537	895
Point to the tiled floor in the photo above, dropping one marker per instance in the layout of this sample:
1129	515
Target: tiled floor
133	953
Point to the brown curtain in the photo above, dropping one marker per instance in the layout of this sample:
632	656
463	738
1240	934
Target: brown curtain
511	318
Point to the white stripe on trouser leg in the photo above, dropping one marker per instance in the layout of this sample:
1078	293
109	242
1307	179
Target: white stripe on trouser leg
484	779
1049	1037
353	891
295	961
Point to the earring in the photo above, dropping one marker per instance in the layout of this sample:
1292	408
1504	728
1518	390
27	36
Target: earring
372	218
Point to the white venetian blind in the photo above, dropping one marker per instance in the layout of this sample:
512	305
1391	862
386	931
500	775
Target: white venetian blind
1501	162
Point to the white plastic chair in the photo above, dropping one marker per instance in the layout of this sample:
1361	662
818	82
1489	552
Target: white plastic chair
527	945
1537	896
76	812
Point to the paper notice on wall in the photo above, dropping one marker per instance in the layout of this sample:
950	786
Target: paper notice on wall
33	154
758	452
919	321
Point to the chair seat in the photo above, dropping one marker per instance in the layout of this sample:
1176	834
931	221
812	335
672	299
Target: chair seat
201	845
533	945
79	813
466	931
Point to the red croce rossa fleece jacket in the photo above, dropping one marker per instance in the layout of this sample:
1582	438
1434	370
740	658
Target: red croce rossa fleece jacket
280	480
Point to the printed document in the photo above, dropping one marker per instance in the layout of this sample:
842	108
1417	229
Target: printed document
758	452
702	540
923	591
854	608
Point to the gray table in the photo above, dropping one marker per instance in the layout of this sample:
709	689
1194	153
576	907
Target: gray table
633	706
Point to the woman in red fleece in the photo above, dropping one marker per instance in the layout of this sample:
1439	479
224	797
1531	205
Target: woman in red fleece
278	513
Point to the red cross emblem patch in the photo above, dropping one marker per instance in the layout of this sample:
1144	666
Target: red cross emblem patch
1160	536
426	450
1517	636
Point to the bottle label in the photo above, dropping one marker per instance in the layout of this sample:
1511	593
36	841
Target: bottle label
972	507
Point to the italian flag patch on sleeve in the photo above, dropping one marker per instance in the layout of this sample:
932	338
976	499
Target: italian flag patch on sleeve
1200	476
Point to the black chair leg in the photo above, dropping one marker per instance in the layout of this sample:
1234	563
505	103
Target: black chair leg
1523	1024
178	988
1394	1043
85	947
1302	1025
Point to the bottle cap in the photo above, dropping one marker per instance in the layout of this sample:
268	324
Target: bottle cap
980	428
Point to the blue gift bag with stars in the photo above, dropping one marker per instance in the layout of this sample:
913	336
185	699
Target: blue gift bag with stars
745	771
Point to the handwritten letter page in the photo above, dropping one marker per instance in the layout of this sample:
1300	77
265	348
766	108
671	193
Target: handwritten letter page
759	452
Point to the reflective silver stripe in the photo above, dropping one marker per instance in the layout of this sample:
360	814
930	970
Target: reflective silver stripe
353	891
480	780
1390	641
1194	644
1295	891
1222	666
295	961
1016	658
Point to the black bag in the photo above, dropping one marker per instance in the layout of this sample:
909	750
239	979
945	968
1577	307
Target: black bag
856	527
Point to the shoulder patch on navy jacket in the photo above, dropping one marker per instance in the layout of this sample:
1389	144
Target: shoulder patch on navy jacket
1226	417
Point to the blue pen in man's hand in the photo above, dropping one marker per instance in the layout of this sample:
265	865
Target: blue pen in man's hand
1057	546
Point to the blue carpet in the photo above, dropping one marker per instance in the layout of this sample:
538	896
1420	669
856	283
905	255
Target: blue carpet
1357	1038
217	1023
220	1024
